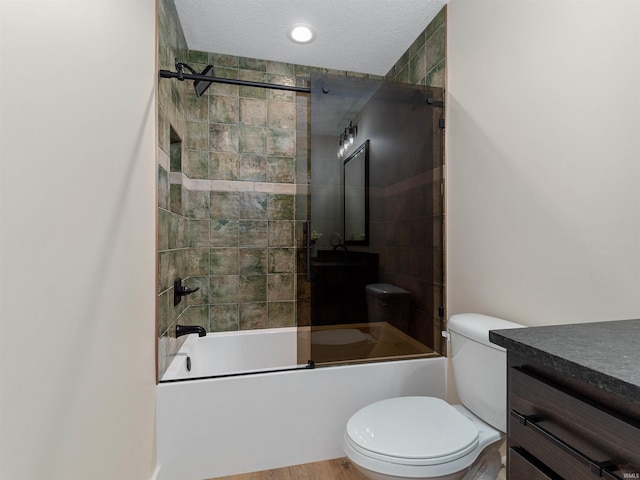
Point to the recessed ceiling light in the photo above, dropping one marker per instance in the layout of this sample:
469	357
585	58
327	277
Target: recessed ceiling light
301	34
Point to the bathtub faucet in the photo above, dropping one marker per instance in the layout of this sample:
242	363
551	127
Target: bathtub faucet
187	329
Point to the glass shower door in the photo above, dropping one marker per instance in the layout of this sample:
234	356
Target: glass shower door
374	147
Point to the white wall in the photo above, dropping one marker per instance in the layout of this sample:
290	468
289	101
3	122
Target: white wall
543	160
77	219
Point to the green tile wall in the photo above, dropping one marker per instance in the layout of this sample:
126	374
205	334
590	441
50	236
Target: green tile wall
424	64
239	247
239	242
424	61
176	232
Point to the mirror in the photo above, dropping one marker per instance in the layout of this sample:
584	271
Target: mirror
356	197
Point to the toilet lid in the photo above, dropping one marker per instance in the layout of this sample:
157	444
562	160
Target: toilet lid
412	430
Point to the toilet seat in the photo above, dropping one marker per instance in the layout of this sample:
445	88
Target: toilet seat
412	431
396	466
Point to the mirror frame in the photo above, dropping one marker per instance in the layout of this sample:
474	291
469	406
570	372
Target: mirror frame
364	147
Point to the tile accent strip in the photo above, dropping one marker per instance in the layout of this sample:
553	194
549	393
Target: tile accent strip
197	185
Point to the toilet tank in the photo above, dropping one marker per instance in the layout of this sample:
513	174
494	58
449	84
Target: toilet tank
479	366
388	303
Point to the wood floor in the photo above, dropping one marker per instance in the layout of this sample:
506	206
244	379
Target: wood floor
336	469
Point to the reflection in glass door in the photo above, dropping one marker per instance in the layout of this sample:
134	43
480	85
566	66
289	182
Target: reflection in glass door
370	235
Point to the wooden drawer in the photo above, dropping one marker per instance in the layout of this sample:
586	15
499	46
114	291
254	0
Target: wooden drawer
523	466
573	436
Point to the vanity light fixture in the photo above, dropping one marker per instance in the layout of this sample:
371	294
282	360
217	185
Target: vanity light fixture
301	34
347	139
352	133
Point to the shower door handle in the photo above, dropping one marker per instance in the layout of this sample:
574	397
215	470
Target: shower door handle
308	250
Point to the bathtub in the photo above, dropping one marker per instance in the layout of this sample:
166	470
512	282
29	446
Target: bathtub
246	420
228	353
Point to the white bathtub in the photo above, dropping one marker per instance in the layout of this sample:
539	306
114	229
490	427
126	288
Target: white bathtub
234	352
213	427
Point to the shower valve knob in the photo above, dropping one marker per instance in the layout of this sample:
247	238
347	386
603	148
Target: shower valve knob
180	291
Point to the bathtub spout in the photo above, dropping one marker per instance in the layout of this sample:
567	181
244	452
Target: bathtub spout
187	329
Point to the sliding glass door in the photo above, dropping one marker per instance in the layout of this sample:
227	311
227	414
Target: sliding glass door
370	249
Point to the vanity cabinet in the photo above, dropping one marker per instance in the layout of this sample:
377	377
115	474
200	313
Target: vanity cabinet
338	282
560	427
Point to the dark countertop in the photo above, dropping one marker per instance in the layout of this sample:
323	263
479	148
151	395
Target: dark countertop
604	354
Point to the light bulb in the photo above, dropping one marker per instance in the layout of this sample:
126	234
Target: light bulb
301	34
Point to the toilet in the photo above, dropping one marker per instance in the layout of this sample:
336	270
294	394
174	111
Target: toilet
388	303
427	438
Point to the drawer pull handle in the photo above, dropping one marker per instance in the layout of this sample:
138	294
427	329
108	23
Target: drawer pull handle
598	468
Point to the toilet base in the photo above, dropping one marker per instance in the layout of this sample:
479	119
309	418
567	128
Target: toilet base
486	467
380	476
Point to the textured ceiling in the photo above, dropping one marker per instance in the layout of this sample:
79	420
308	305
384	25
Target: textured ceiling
366	36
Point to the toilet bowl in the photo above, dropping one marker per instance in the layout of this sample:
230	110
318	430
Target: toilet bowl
427	438
420	438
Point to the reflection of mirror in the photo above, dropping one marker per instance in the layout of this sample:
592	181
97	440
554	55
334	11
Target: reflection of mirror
356	197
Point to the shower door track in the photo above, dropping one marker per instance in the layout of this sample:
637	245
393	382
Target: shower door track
309	366
232	81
